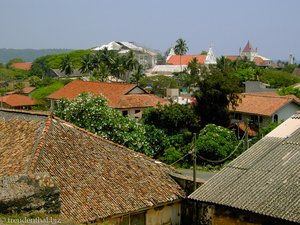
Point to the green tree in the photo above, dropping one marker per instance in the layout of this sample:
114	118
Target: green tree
19	86
278	79
35	81
92	113
172	118
86	64
289	91
180	49
39	67
158	84
216	90
66	65
215	143
137	74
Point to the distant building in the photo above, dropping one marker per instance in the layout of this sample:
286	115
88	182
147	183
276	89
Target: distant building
252	55
145	56
260	109
130	99
204	59
21	65
16	101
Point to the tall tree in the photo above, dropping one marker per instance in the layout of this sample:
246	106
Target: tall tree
180	49
66	65
86	64
137	74
216	90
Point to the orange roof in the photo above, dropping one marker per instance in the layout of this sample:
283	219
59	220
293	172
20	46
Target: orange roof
115	93
232	57
22	65
263	103
185	59
17	100
27	90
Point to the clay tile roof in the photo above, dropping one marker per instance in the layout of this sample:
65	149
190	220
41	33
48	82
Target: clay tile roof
117	94
27	90
263	103
232	57
97	178
22	65
15	100
185	59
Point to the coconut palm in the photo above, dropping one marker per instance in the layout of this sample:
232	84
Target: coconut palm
137	74
66	65
180	49
86	64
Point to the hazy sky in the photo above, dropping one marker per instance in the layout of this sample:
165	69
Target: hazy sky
273	26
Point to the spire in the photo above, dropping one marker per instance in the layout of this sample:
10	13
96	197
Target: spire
210	57
248	47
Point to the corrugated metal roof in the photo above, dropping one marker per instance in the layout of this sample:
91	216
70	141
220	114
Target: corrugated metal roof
265	179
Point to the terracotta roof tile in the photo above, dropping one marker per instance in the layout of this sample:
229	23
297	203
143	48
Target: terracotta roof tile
97	178
185	59
262	103
232	57
117	94
15	100
22	65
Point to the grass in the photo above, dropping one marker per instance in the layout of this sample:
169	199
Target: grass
42	92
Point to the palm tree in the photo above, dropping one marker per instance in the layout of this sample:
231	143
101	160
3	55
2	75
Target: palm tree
137	74
86	64
66	65
180	49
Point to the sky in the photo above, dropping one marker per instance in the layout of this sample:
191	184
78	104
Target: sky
273	26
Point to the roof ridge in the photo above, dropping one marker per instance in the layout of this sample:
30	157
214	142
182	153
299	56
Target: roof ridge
110	142
38	149
37	113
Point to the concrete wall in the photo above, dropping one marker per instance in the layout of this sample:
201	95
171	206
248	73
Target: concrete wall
287	111
167	215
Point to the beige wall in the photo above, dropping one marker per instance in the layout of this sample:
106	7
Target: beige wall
164	215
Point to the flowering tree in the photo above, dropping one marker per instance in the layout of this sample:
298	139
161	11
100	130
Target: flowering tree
92	113
215	142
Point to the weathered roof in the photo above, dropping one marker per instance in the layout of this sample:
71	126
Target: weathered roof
117	94
264	179
265	104
22	65
15	100
185	59
97	178
168	69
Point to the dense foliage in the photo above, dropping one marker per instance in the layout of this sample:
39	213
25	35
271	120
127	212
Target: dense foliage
172	118
289	91
215	142
278	79
93	114
216	90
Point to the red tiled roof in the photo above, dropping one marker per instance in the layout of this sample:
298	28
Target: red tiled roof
97	178
22	65
17	100
263	103
185	59
232	57
27	90
115	93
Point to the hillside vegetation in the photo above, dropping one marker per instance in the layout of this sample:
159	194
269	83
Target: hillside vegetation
28	55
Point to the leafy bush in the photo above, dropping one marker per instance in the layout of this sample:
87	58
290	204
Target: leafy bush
92	113
42	92
279	78
173	118
215	142
289	91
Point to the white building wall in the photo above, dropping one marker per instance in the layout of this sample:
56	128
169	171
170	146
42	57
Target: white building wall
286	112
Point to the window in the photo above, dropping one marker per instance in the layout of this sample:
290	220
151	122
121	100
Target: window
125	113
276	118
238	116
